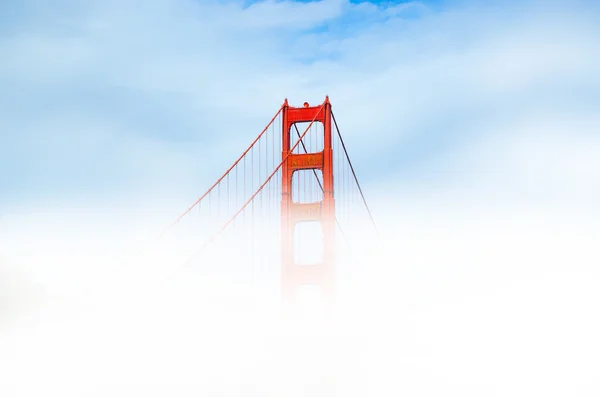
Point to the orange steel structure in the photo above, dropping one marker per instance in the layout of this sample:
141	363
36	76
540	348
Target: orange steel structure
293	275
247	194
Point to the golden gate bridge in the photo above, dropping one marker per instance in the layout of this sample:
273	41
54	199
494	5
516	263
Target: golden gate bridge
292	200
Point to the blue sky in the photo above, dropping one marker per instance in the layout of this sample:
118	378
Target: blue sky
119	100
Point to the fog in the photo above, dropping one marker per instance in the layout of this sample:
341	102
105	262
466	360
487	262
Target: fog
452	300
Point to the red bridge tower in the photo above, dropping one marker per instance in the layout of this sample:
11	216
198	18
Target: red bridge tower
320	274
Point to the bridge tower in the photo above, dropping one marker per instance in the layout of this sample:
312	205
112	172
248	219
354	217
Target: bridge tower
321	274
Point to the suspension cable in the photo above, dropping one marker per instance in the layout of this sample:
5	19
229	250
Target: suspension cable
224	175
214	236
354	174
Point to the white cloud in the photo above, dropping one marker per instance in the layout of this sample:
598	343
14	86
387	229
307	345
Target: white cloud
213	70
286	15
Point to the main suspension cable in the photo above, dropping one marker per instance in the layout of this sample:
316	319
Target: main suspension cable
224	175
354	174
214	236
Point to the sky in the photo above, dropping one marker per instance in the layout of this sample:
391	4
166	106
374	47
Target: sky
120	101
474	130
